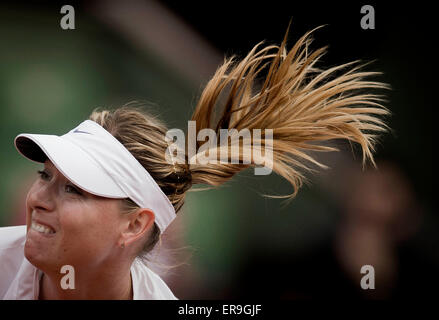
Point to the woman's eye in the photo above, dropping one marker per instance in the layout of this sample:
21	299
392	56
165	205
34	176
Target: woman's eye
43	174
72	189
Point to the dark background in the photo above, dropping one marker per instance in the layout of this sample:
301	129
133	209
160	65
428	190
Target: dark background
244	245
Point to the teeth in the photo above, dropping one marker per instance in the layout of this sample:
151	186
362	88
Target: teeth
40	228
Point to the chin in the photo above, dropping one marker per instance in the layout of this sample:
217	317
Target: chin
33	254
38	257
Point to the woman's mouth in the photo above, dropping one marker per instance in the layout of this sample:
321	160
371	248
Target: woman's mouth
41	228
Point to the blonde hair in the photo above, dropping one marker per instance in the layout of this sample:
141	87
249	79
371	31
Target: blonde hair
304	106
143	135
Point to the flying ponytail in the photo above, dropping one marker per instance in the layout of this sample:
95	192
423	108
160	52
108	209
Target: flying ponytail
304	106
296	107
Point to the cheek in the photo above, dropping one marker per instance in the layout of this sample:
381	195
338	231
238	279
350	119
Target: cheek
88	228
30	201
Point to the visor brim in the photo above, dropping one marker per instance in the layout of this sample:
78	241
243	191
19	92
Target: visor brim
74	163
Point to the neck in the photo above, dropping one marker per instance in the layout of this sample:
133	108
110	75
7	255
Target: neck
108	284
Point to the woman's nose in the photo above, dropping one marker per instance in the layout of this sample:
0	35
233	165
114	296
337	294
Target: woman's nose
41	197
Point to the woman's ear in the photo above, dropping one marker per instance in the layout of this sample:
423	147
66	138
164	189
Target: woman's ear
137	225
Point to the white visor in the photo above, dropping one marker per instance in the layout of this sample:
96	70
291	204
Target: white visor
94	160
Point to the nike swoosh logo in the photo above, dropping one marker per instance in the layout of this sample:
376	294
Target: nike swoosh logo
79	131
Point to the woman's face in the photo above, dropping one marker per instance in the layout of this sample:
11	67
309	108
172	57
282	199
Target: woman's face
66	225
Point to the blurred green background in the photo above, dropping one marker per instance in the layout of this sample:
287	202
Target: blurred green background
163	53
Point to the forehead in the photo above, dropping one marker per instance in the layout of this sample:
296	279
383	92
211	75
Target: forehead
49	165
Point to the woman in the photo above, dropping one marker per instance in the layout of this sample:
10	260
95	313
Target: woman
108	190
